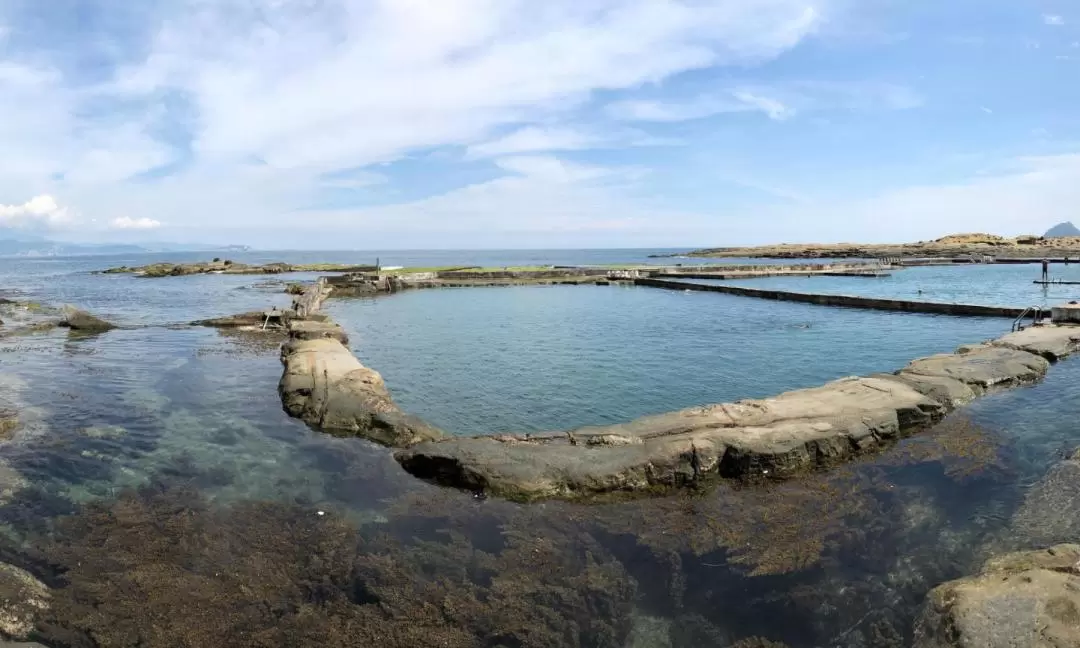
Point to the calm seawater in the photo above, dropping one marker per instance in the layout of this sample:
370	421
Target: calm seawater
991	285
843	559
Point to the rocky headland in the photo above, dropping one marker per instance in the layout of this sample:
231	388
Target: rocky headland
952	246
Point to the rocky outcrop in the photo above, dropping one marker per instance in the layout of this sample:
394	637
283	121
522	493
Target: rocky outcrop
1050	512
772	438
327	387
1027	599
251	320
79	320
23	599
218	266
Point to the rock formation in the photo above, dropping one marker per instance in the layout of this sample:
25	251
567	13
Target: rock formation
326	386
79	320
22	600
1027	599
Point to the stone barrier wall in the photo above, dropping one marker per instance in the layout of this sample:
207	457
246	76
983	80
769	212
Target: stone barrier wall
848	301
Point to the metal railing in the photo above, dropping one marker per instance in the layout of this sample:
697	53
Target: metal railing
1036	313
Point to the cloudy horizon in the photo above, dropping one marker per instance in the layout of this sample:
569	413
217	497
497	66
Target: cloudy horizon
406	124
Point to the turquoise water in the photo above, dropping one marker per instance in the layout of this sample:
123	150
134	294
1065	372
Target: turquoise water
230	485
477	360
991	285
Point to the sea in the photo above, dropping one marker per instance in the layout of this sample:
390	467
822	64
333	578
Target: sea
156	484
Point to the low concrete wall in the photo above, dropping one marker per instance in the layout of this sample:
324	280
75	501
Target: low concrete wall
848	301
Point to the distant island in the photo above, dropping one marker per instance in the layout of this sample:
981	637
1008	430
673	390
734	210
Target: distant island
1062	230
954	245
18	244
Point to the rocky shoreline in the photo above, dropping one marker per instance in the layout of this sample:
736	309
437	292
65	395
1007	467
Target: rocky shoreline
219	266
954	246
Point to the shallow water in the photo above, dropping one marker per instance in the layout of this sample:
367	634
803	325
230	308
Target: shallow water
493	359
991	285
842	559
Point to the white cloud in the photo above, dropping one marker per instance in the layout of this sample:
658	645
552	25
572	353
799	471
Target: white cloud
778	102
986	110
39	211
771	107
275	97
1051	19
128	223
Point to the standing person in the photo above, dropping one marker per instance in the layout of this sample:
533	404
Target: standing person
1046	270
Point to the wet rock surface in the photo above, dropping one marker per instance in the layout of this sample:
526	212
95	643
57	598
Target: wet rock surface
1027	599
770	438
23	600
1050	512
79	320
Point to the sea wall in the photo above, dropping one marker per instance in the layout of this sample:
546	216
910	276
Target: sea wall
849	301
773	438
328	388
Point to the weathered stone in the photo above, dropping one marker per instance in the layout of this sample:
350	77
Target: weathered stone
251	320
79	320
984	367
1029	600
23	599
775	437
1051	509
313	330
1050	342
327	387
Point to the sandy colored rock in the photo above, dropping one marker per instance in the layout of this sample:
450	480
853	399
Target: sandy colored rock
312	329
23	599
80	320
982	367
327	387
1050	342
774	437
1022	600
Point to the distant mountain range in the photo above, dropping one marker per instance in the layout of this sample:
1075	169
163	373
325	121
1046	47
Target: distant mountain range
13	243
1062	229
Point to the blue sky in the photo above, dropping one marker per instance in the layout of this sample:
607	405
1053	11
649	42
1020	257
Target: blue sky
515	123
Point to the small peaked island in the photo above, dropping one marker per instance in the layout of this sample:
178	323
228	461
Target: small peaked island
953	245
1063	230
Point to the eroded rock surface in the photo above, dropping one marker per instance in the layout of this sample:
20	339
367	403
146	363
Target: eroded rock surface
327	387
1021	600
775	437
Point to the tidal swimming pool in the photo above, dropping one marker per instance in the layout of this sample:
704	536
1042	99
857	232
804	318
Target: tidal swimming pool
229	485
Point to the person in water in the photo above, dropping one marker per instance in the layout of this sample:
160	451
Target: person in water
1046	270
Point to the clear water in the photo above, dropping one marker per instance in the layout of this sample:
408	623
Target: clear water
991	285
842	559
482	360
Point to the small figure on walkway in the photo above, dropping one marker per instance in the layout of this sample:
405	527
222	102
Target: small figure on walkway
1046	270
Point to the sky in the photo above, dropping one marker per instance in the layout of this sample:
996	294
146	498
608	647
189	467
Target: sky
397	124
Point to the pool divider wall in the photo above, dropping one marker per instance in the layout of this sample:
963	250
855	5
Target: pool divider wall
848	301
773	438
